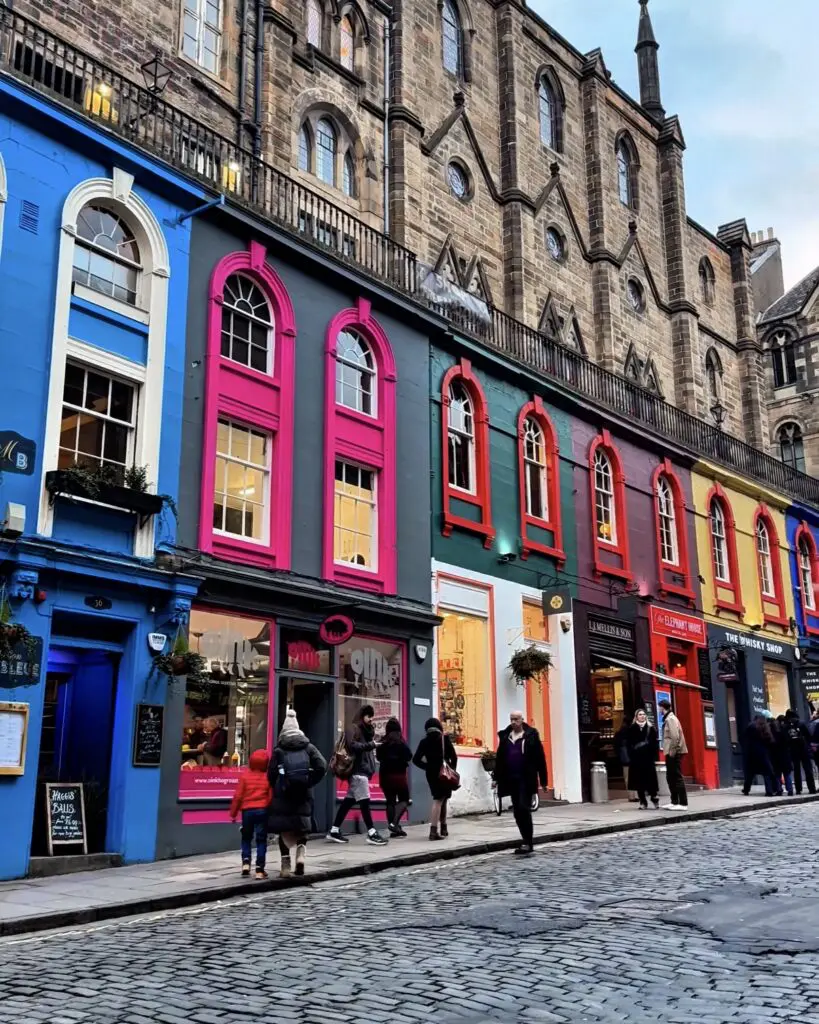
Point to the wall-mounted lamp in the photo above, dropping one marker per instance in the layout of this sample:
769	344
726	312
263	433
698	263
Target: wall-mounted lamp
156	74
507	558
718	413
755	627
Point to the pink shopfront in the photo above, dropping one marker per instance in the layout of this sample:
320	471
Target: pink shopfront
258	667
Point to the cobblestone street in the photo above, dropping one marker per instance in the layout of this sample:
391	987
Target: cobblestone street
710	922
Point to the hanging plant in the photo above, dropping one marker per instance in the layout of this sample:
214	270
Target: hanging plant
13	634
488	760
529	663
182	661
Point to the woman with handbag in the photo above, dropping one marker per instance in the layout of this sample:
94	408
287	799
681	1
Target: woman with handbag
436	756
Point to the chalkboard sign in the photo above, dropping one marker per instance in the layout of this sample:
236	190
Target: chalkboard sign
148	735
65	815
704	664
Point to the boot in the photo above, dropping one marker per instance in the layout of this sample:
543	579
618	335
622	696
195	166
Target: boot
285	871
301	851
444	830
433	833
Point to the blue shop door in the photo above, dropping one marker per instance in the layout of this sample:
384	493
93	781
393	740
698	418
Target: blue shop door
76	738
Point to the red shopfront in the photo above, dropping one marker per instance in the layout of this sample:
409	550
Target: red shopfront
679	650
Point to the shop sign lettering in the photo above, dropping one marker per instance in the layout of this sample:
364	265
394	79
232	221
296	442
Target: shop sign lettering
758	697
17	453
21	669
302	655
603	628
678	625
755	643
372	668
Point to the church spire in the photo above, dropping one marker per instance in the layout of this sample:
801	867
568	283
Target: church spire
648	65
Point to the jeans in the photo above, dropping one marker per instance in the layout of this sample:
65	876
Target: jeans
800	764
674	777
254	826
522	808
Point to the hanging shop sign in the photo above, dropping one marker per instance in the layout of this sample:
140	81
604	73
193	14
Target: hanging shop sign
809	682
336	629
22	666
557	600
17	453
678	625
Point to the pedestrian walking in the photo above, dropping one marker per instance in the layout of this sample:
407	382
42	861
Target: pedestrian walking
295	768
674	747
643	748
433	752
757	749
394	757
252	800
520	764
799	742
782	758
360	743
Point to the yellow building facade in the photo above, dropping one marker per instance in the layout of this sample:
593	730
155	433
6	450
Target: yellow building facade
748	604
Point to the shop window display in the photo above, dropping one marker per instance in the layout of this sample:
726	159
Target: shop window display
370	672
226	720
464	689
777	691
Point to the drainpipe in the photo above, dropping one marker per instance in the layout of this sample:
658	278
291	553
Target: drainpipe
387	95
242	74
257	86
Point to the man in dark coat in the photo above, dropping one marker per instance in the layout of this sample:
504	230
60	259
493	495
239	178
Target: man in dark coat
295	767
520	765
799	742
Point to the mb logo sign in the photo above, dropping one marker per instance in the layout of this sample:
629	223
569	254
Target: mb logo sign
17	453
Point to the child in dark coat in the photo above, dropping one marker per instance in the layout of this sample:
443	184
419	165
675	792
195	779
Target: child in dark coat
252	798
394	757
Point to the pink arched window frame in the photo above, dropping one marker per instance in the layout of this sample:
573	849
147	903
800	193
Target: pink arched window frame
367	441
263	401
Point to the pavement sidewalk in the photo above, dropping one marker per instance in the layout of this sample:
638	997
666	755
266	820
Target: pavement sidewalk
29	905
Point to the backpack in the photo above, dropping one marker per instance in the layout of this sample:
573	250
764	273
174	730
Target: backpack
293	774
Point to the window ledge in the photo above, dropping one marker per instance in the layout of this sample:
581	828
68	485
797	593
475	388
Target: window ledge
374	422
359	577
235	549
529	547
484	530
729	606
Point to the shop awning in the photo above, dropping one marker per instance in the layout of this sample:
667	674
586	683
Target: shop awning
649	672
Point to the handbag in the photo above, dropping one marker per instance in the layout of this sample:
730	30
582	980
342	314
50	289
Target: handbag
342	761
448	776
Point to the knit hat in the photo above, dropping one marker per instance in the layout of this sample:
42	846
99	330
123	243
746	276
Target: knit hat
393	725
290	726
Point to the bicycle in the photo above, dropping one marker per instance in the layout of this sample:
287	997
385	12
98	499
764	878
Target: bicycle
497	799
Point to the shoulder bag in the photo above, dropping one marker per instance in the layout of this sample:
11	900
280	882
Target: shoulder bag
342	761
447	776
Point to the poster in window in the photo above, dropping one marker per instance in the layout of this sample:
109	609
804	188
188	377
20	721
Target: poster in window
710	728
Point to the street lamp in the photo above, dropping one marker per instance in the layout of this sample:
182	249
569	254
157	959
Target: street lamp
718	412
157	74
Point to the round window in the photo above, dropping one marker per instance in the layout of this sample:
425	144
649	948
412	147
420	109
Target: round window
554	243
636	296
458	182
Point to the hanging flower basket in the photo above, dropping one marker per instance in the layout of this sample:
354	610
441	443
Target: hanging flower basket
182	661
13	635
488	760
529	663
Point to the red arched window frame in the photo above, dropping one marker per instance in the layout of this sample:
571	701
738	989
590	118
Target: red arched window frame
367	441
811	616
610	558
668	575
535	410
482	498
727	595
773	608
253	399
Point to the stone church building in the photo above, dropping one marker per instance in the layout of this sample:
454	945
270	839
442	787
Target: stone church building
515	168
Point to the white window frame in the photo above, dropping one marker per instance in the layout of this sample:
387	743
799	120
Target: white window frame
93	364
719	542
373	504
95	295
368	370
198	15
118	191
464	435
264	540
806	580
535	464
605	506
667	522
764	559
254	319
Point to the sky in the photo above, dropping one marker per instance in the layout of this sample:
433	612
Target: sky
740	76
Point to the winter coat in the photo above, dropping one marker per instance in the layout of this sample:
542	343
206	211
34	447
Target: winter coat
430	755
360	741
798	738
643	750
253	791
289	813
394	757
781	756
673	737
756	749
534	762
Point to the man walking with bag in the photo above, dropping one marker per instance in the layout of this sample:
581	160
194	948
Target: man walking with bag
359	742
674	747
520	765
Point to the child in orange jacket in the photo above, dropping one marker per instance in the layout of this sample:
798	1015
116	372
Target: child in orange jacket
252	798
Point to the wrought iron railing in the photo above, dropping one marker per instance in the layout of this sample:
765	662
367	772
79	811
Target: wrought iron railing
74	78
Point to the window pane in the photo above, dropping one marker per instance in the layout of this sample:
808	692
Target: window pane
121	401
89	436
370	673
73	386
239	443
325	152
116	443
464	674
777	693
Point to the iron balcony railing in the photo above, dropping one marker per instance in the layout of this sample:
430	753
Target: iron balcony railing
73	78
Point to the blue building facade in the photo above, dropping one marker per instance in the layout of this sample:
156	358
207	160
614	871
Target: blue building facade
803	542
93	295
